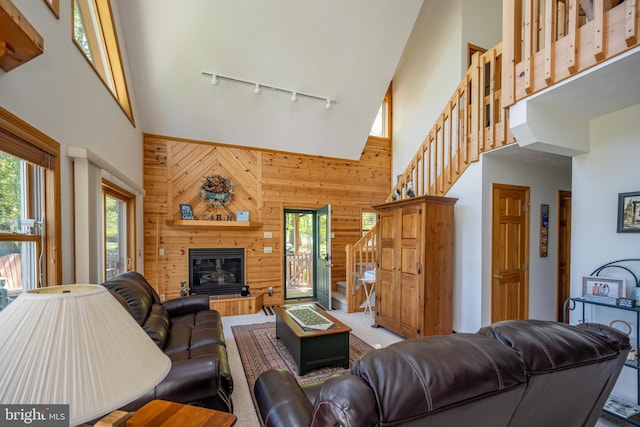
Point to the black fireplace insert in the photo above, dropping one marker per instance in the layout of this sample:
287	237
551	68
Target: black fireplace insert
216	271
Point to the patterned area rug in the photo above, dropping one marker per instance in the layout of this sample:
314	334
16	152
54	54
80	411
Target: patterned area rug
260	351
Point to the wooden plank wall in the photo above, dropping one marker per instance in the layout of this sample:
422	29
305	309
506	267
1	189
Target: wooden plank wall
265	183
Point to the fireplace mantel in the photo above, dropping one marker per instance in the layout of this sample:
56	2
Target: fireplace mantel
220	225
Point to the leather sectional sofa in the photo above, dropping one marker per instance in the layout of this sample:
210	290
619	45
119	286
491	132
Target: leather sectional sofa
190	334
512	373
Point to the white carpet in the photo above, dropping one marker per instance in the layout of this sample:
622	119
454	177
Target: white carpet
360	323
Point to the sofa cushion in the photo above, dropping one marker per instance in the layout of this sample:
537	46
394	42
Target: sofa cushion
436	372
208	333
157	325
134	294
178	341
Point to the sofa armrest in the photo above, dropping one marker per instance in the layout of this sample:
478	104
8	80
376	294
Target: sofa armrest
280	399
190	380
185	305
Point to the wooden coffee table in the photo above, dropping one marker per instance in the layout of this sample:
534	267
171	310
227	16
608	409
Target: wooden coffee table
312	349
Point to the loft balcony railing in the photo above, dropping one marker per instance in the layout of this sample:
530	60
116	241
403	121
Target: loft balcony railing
548	41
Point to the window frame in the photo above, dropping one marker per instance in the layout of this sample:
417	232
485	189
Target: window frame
386	115
112	190
99	26
21	140
54	5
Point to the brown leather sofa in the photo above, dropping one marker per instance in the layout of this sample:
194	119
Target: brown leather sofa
190	334
512	373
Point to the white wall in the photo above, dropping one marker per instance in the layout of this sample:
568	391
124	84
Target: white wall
544	183
60	94
467	286
433	64
610	167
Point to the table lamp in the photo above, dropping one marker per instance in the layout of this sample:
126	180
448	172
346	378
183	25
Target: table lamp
76	345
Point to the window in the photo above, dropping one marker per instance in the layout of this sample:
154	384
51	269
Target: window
119	220
368	221
54	5
95	35
381	125
29	208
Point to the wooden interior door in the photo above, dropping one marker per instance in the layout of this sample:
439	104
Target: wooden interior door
564	253
510	255
387	267
411	309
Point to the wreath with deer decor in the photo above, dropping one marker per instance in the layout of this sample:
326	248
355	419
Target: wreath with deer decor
217	190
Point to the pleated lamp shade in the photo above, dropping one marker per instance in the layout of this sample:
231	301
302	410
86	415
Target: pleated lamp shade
76	345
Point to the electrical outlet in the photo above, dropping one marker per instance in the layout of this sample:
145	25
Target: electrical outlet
268	235
161	297
270	290
161	251
268	249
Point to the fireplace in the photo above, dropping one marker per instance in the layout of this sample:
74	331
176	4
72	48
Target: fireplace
216	271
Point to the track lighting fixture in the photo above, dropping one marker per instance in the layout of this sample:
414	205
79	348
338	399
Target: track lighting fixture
215	78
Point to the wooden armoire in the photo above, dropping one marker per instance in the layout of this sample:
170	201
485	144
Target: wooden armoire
414	278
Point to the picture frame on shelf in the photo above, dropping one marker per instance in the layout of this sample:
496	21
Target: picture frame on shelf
629	212
186	211
603	289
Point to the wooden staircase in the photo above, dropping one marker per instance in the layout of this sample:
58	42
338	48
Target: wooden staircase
472	122
545	43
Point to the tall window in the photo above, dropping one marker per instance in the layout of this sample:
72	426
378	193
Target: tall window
368	219
119	234
95	35
381	125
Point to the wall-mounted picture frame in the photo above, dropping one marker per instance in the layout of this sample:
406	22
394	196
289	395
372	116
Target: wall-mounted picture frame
544	230
629	212
186	211
603	289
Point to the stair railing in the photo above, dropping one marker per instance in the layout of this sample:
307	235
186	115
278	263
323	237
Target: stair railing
472	122
361	256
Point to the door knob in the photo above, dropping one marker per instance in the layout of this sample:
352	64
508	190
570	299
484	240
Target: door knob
498	276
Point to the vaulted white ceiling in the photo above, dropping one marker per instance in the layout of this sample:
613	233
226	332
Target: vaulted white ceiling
344	50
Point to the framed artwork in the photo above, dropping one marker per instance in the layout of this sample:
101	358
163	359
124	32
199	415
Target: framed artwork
544	230
594	287
629	212
186	212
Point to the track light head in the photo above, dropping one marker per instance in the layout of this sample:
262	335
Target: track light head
294	96
214	79
328	104
257	89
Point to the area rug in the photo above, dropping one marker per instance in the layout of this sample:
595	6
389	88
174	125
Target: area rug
260	351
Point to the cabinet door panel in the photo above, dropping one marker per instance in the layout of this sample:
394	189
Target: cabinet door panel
409	306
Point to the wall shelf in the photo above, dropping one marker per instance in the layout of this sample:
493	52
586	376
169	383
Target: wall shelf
19	41
217	225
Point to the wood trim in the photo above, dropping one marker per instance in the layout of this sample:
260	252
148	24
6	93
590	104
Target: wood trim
21	130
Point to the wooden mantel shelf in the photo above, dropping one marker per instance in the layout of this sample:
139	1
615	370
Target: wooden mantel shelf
19	41
219	225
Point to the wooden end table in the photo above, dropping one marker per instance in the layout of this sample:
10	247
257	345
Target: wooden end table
312	349
158	413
